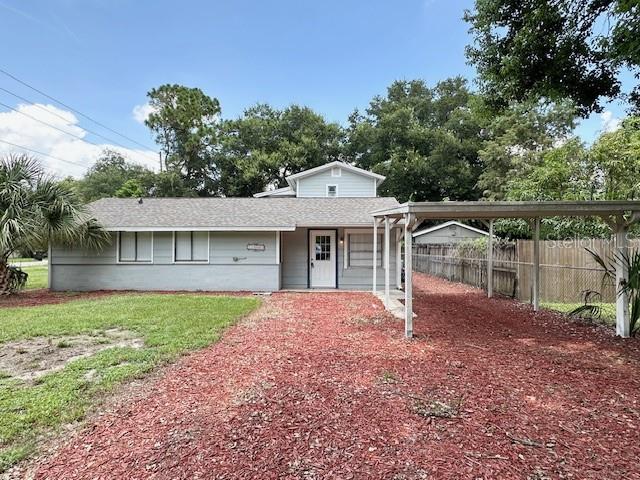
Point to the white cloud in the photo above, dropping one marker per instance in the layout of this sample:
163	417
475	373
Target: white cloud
20	130
608	122
142	112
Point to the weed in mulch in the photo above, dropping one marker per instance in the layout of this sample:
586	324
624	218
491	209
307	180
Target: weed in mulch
435	408
389	377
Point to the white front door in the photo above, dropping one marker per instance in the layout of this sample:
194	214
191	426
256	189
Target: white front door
322	260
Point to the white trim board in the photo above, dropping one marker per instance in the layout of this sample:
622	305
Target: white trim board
295	177
435	228
201	229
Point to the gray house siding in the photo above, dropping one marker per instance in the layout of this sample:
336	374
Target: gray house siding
295	259
349	184
231	266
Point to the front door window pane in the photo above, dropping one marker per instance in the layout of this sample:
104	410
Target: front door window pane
323	247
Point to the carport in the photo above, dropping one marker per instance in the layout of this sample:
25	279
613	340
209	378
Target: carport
619	215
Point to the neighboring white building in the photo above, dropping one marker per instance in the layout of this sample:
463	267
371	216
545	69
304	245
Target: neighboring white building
448	232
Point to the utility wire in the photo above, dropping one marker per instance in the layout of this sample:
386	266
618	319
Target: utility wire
40	107
47	124
4	72
44	154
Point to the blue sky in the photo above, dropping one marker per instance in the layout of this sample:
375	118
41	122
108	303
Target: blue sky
102	56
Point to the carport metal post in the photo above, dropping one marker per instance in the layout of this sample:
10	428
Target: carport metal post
490	261
375	254
387	239
622	275
536	265
399	233
408	275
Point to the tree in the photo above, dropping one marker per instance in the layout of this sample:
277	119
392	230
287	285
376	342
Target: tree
184	121
609	170
36	211
532	49
517	139
615	162
425	140
130	188
265	145
562	174
107	175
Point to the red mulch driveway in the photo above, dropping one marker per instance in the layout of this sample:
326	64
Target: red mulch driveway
323	385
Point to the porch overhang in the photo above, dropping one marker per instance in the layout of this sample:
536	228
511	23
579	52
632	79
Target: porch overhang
619	215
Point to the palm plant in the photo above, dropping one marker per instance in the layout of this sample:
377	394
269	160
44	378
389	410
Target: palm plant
36	211
631	286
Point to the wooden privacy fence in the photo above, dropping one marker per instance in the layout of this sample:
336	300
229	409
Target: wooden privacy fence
567	270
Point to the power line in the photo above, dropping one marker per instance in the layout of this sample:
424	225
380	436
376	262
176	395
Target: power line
47	124
42	153
40	107
4	72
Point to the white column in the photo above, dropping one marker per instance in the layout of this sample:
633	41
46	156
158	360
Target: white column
387	241
399	258
490	261
408	280
622	275
536	265
375	254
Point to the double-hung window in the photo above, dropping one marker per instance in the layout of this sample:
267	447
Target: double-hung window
361	250
191	247
135	247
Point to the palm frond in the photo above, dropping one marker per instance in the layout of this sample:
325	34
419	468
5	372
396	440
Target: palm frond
593	311
36	210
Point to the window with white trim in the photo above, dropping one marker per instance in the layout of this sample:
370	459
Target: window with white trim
361	250
135	247
332	190
191	246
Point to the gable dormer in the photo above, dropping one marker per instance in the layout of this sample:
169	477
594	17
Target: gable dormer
335	179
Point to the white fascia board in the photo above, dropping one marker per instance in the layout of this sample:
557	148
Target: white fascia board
200	229
446	224
278	192
291	179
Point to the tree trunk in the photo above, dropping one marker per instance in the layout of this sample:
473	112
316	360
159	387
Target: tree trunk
5	278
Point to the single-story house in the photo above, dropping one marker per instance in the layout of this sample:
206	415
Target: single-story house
318	232
448	233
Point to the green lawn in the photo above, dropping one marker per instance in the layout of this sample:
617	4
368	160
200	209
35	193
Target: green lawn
38	276
169	324
608	314
14	261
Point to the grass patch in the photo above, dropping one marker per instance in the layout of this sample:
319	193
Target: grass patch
13	261
608	315
38	276
169	324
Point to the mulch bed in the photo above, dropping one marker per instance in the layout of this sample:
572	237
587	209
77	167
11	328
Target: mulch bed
33	298
324	385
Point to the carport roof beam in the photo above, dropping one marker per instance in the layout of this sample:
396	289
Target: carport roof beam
495	210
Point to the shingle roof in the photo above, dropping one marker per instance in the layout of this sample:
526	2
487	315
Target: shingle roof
236	213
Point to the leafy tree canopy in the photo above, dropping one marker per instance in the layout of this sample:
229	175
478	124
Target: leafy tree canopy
184	121
425	140
516	140
265	145
552	49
